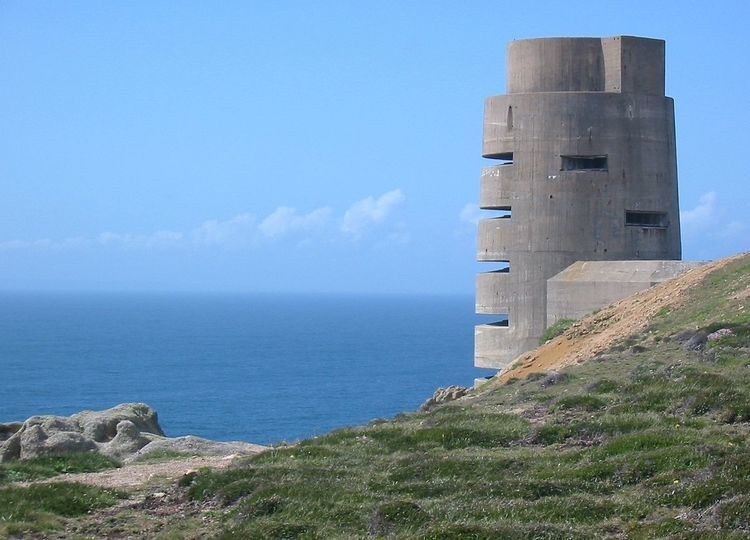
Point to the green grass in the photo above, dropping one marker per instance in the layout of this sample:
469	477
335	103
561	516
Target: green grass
163	454
555	330
648	440
47	467
39	507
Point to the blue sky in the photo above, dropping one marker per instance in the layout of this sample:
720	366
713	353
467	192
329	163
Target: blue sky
308	146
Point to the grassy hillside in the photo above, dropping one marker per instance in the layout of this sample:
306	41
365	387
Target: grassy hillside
647	439
43	506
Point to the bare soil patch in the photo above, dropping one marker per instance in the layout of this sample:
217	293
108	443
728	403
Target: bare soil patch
600	331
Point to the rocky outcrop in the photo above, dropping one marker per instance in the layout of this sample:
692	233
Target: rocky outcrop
126	432
195	446
444	395
103	425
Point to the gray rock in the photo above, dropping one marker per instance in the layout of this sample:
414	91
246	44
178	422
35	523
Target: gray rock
444	395
692	339
10	449
59	444
720	333
53	423
102	425
36	442
697	341
195	446
8	430
124	432
32	439
126	442
552	378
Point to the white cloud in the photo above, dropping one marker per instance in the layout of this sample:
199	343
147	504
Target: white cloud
10	245
106	239
708	230
156	239
239	230
702	215
470	213
285	220
370	210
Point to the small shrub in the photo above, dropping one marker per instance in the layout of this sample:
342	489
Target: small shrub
207	483
637	442
59	498
581	401
553	378
46	467
573	509
603	386
735	513
262	507
270	530
555	330
396	514
187	479
552	433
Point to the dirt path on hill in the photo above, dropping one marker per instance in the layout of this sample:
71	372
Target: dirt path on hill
598	332
136	475
143	474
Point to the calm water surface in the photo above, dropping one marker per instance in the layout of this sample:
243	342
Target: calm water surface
249	367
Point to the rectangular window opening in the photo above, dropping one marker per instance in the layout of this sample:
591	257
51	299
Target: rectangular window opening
492	320
502	267
636	218
505	158
583	163
499	212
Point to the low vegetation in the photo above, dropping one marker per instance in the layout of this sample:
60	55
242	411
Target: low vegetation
47	467
161	455
648	439
42	507
555	330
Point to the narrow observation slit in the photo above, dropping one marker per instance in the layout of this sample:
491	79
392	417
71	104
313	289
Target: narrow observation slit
509	122
501	267
505	158
583	163
635	218
493	320
498	212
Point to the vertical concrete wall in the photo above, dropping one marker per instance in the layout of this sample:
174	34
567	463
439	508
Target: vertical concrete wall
585	286
597	101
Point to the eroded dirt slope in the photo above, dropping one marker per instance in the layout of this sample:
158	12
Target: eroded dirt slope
600	331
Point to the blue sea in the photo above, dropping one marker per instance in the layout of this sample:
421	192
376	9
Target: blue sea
258	368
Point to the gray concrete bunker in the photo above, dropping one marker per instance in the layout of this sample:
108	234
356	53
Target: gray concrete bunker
585	169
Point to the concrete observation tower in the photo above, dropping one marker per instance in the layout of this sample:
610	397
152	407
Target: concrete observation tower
584	144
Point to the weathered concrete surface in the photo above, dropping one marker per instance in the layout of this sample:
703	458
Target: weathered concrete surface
570	98
586	286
